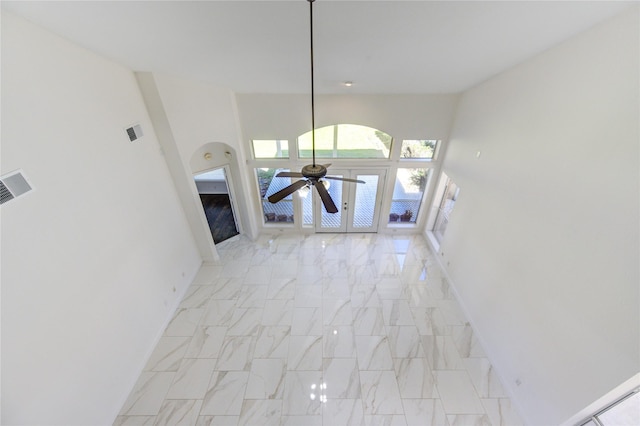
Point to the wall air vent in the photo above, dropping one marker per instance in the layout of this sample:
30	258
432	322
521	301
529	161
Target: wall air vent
12	186
134	132
5	194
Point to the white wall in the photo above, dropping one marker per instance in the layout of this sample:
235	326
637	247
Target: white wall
199	113
181	176
198	116
543	243
401	116
95	259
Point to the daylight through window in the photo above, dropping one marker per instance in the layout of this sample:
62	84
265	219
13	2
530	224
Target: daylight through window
346	141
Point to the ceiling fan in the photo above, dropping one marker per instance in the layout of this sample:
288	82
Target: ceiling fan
311	174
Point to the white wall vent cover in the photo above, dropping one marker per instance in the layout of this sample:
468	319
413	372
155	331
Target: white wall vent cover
12	186
134	132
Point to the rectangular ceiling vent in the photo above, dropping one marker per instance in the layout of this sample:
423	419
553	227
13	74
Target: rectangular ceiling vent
134	132
12	186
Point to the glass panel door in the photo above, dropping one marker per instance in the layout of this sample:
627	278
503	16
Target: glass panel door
358	203
364	202
333	222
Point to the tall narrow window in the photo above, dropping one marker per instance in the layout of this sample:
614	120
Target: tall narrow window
407	195
282	211
447	202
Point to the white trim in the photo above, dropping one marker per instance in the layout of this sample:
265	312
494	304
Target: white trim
12	189
604	401
431	239
228	180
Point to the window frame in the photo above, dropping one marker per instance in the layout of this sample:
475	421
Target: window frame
414	220
595	418
391	165
337	146
291	218
436	149
255	157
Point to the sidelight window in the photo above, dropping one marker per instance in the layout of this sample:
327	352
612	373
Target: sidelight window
408	193
268	184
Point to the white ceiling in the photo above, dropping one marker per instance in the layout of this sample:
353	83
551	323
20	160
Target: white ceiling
384	47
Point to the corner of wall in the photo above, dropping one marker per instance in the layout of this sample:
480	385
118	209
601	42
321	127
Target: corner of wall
182	180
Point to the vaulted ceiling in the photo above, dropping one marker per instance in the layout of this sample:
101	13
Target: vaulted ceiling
384	47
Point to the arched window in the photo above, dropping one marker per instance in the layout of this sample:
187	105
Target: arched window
346	141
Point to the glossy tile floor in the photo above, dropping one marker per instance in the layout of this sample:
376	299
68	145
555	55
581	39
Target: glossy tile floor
326	329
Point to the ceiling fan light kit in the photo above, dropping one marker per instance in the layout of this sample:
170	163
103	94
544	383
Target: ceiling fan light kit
311	174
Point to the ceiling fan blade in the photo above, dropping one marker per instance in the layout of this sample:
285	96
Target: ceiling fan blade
289	174
277	196
344	179
326	166
326	198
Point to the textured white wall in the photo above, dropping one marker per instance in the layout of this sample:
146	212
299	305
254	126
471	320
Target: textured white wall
543	242
402	116
96	258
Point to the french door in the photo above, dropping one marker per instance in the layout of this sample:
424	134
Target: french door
358	203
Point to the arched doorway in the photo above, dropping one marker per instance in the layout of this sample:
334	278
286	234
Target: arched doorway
218	159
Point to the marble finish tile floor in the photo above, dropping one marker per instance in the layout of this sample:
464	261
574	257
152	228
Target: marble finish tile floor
326	330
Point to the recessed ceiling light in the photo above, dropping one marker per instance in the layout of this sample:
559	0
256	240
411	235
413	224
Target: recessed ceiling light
348	83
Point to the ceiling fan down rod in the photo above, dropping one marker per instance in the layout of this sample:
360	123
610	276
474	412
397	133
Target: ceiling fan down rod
313	120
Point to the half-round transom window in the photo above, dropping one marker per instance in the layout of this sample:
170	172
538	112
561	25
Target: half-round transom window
346	141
